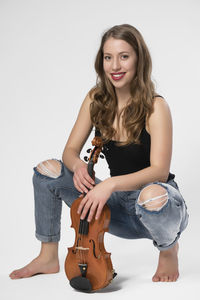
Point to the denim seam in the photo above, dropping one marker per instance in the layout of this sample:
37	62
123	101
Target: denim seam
52	211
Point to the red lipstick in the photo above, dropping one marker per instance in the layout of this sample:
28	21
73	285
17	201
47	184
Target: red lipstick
117	76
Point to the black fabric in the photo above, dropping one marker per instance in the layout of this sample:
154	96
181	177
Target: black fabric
128	158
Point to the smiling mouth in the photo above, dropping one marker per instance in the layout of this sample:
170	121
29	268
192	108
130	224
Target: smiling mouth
117	76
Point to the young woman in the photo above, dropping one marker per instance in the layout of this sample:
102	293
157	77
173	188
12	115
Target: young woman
136	127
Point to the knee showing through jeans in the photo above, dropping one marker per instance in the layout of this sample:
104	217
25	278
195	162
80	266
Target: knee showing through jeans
50	167
153	197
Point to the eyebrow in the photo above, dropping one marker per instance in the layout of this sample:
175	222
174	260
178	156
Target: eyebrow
119	52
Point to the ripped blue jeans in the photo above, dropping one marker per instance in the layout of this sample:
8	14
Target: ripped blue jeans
129	219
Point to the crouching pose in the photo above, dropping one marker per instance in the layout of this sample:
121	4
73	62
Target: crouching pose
136	128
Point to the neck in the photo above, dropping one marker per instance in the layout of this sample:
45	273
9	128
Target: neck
123	96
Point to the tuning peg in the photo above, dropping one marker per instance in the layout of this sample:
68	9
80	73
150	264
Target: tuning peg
89	150
86	158
102	156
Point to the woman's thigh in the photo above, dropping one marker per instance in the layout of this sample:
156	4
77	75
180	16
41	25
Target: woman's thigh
167	223
128	218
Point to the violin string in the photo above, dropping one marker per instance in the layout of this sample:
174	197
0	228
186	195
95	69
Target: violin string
79	244
84	261
82	237
81	252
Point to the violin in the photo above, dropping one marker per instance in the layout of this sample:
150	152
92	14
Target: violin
88	266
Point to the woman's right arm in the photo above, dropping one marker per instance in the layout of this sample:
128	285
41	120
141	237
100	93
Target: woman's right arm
77	138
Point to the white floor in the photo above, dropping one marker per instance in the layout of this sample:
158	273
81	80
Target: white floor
135	261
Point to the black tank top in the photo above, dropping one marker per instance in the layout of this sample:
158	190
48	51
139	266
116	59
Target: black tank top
130	158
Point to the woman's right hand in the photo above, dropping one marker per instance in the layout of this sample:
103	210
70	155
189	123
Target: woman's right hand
82	180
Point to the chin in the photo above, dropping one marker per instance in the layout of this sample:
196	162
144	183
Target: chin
120	85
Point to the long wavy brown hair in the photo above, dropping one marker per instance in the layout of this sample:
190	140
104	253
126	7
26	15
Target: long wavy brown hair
103	108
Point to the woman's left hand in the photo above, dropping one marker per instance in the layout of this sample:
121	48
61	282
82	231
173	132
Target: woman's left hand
95	200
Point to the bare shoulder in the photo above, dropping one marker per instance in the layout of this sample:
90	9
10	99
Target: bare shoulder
161	115
88	98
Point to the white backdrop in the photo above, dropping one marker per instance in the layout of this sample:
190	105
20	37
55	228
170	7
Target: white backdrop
47	52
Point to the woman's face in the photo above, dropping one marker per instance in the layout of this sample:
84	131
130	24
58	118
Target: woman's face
119	62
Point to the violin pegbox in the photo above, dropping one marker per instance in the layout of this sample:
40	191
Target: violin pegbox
95	153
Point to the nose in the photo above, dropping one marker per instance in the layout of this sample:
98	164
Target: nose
116	64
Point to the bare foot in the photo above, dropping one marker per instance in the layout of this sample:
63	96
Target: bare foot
37	266
168	265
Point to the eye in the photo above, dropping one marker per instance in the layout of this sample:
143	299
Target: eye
125	56
105	57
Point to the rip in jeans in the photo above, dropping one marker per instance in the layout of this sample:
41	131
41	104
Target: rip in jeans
51	171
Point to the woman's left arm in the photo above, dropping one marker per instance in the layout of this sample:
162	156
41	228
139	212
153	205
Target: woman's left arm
160	128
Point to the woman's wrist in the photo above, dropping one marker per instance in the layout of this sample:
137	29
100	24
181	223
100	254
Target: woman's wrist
111	182
77	164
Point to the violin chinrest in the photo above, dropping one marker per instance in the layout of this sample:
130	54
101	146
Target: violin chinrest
81	283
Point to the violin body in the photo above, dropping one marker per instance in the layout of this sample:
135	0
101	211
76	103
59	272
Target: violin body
88	257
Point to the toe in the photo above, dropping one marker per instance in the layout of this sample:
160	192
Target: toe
13	275
176	277
21	273
156	278
164	278
172	278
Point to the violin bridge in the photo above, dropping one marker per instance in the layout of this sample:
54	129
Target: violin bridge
82	248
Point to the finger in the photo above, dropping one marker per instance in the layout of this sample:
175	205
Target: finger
82	186
92	212
82	203
85	210
98	213
77	187
85	179
89	179
87	183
